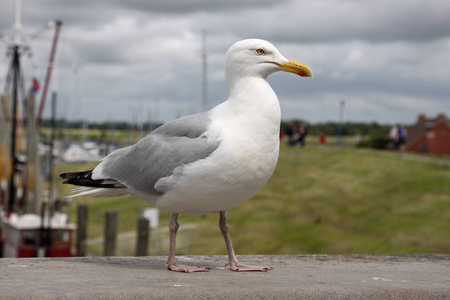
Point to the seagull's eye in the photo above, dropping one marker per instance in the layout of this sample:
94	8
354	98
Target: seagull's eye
260	51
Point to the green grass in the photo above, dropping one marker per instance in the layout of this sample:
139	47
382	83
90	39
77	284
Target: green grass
121	137
322	200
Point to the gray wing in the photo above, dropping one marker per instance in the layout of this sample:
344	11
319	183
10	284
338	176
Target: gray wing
191	126
176	143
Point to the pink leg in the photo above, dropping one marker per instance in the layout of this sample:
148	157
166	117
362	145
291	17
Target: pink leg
232	261
171	263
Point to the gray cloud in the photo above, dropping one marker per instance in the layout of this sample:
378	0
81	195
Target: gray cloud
389	60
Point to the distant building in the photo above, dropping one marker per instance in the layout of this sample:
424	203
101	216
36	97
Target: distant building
431	136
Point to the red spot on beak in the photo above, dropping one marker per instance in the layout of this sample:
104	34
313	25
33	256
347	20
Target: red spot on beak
303	73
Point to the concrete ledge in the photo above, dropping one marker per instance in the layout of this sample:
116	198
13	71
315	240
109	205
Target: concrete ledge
293	277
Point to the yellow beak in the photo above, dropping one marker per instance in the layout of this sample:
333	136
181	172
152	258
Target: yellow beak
297	68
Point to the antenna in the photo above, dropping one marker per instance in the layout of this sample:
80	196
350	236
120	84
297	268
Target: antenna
204	72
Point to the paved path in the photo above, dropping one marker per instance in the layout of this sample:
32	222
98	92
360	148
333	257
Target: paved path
421	158
293	277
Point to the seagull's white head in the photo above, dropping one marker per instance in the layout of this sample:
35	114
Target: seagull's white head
259	58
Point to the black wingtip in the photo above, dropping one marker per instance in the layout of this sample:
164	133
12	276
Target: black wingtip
72	175
77	178
85	179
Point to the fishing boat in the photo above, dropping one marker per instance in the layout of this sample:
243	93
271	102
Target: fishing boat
30	226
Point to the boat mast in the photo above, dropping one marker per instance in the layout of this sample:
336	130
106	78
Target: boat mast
15	73
16	46
49	72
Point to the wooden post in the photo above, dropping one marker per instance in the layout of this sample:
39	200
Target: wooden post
82	229
111	225
142	236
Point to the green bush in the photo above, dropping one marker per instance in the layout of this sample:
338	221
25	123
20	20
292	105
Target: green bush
374	142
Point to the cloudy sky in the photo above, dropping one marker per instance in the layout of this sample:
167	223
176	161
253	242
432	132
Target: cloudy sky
141	60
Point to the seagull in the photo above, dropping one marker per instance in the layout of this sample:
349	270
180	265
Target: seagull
208	162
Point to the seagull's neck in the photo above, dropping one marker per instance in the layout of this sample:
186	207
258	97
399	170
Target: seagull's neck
254	106
254	95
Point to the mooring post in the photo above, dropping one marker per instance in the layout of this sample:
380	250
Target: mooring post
142	236
111	224
82	229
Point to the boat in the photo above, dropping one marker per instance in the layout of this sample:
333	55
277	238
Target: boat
29	226
31	235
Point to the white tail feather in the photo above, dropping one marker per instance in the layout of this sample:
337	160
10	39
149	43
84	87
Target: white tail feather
97	192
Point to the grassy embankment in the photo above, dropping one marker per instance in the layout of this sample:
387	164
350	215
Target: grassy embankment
321	200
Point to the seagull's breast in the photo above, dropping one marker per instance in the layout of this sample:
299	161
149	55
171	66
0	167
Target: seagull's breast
233	173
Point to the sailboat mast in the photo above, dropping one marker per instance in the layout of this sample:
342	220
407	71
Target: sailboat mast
15	83
16	46
15	72
17	28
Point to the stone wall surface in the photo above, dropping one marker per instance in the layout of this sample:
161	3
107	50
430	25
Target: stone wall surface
293	277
